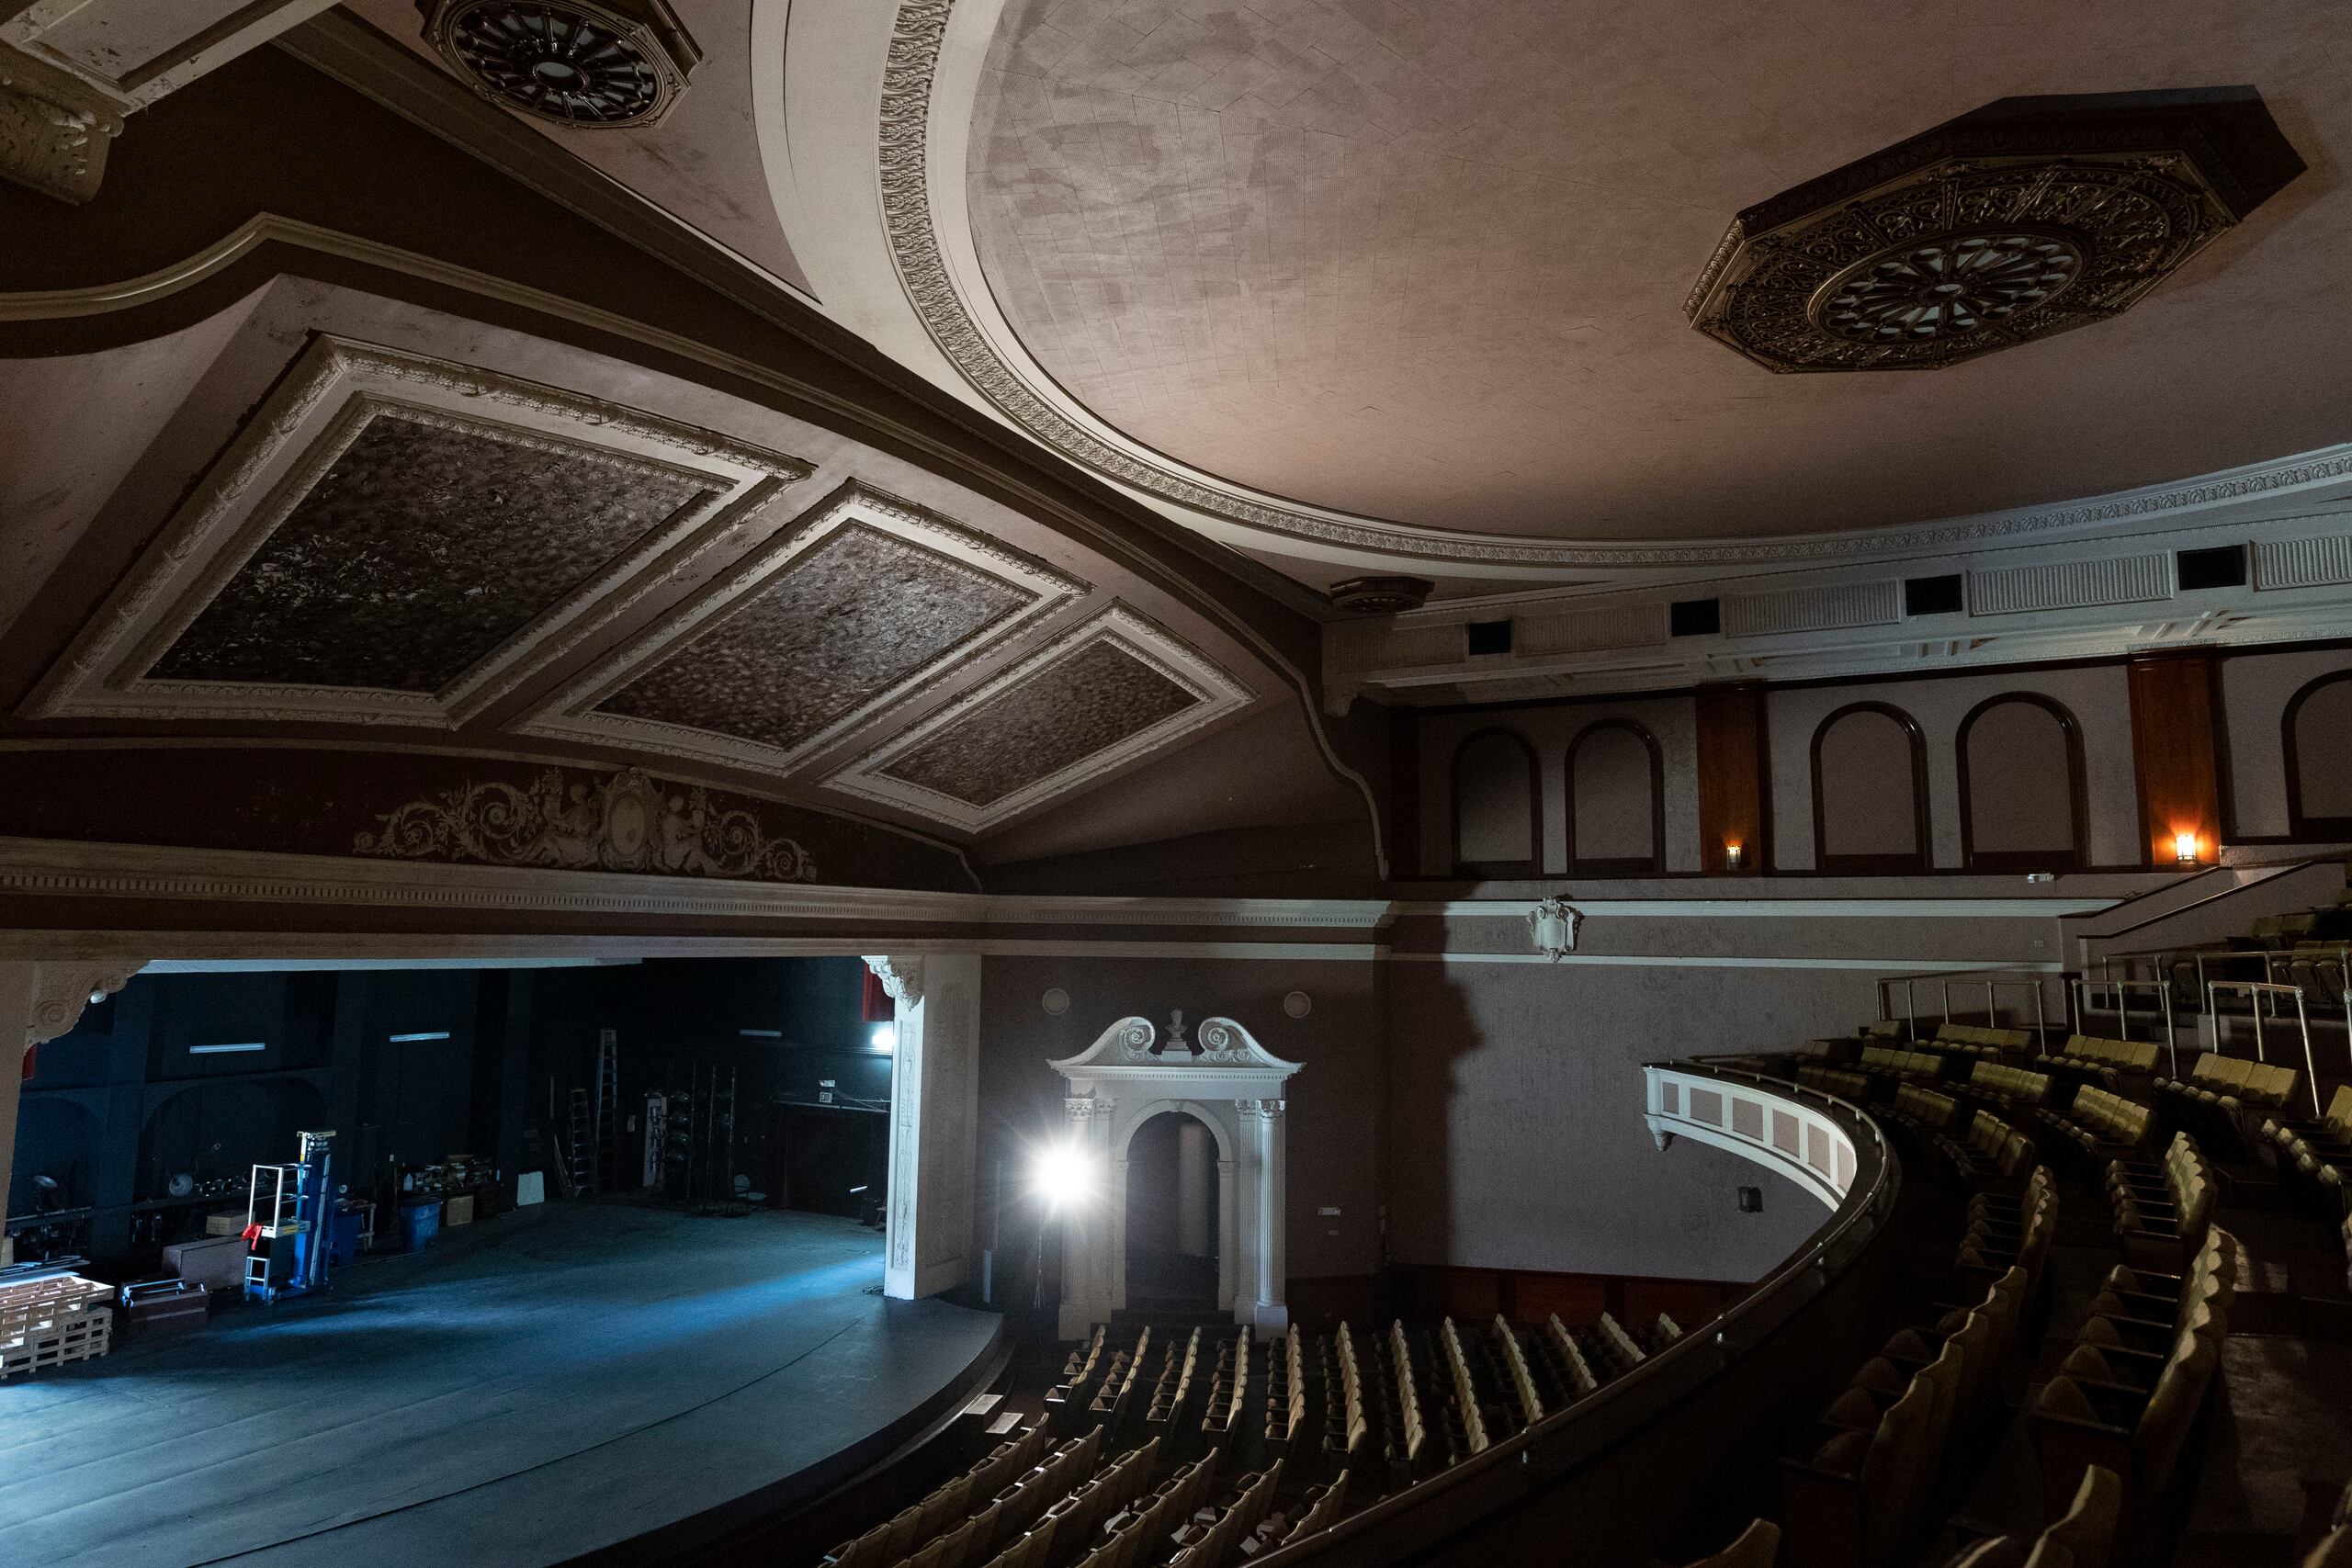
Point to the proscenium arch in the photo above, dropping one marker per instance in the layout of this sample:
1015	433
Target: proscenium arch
2301	822
1920	856
1533	864
1655	860
2076	853
1224	1126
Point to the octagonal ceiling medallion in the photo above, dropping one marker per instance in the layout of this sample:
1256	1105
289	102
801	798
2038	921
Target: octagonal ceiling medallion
2022	220
392	539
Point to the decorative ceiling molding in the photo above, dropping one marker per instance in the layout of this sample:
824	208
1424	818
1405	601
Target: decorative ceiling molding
945	292
575	712
292	443
1119	631
2019	221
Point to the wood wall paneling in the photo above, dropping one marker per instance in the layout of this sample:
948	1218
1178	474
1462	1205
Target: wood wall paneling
2175	752
1733	787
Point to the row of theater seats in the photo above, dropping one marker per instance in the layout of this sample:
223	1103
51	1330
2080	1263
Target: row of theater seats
1867	1486
2315	1155
1171	1394
2110	1056
948	1506
2127	1395
2102	1121
2217	1080
2163	1207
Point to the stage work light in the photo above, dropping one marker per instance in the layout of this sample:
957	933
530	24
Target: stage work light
1061	1175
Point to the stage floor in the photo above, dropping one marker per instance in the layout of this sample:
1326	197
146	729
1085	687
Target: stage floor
528	1390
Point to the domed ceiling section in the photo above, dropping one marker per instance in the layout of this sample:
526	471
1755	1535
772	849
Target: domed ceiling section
1429	263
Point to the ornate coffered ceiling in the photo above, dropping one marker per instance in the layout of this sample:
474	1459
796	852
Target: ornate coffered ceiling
1097	698
857	606
397	540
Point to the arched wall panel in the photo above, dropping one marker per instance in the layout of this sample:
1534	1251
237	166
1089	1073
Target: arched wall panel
2315	745
2022	792
1498	795
1870	791
1616	805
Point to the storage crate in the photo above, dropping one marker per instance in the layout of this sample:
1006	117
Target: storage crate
46	1323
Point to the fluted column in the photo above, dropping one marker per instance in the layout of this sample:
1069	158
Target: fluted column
1262	1126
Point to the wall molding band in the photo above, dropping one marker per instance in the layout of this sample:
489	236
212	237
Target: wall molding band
1697	961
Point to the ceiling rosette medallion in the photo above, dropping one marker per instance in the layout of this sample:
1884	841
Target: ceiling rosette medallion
2020	221
589	64
393	539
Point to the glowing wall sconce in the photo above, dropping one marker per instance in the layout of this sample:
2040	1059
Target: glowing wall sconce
2184	848
1731	856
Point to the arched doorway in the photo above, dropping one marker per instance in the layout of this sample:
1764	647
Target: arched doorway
1172	1243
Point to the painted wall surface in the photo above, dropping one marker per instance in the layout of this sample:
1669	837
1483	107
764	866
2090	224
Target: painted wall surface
2093	695
1868	787
1334	1125
1516	1134
1551	729
2255	689
2019	791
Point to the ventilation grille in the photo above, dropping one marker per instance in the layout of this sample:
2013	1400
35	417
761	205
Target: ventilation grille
2069	585
1588	631
2303	563
1814	609
1382	645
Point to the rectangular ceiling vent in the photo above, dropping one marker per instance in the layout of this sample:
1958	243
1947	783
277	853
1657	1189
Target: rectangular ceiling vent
1480	638
1589	631
1944	595
1695	617
2303	563
2220	567
1814	609
2070	585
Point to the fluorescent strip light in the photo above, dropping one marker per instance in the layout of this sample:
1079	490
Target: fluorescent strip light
431	1034
761	1033
223	1050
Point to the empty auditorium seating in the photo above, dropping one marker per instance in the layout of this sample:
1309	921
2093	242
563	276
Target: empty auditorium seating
1974	1040
1901	1061
2115	1055
1213	1541
1842	1082
1867	1482
2162	1208
2127	1395
2103	1124
2002	1081
1992	1154
2312	1156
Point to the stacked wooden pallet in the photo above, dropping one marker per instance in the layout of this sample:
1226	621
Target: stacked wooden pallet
49	1321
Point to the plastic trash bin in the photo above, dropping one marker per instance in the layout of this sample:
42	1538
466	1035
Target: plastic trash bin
420	1223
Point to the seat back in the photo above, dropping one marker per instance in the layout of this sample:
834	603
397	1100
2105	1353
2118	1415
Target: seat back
2087	1532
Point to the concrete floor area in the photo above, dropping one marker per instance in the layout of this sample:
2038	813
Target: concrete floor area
544	1385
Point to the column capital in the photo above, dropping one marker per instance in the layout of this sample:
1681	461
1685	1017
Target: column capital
1263	1109
1086	1107
902	977
62	990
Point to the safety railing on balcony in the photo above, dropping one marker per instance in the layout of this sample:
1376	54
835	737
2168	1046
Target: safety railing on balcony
1828	1146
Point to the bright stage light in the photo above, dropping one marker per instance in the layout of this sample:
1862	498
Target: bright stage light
1061	1175
884	1038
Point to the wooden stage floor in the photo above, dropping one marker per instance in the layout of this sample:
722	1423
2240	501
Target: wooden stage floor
555	1383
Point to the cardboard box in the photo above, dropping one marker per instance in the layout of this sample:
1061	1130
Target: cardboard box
228	1221
458	1210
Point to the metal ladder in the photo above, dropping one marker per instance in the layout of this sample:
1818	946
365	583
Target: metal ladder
579	1147
608	1101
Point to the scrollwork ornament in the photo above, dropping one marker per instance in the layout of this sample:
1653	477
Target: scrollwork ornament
901	977
1552	925
628	822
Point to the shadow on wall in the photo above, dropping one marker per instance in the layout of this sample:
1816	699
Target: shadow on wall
1517	1139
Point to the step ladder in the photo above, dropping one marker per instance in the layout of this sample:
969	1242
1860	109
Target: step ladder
608	1101
579	1145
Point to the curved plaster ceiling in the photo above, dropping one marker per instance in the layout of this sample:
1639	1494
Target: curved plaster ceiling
1426	264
